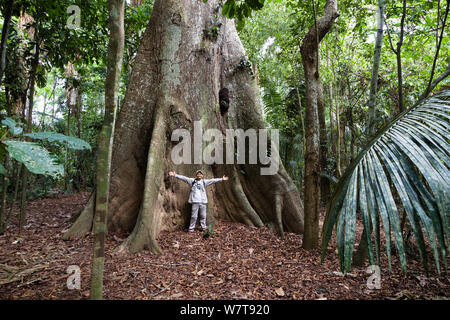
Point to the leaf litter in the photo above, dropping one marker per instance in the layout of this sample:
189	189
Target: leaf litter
236	262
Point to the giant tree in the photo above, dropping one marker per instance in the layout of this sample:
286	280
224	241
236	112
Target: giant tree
188	54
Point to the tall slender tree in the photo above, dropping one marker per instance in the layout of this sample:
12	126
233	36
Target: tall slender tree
398	54
310	58
114	67
370	126
29	120
5	31
361	253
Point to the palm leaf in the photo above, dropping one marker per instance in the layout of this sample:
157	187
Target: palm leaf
404	168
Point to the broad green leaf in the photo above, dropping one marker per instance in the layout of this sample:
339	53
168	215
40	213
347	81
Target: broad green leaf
70	142
34	157
14	129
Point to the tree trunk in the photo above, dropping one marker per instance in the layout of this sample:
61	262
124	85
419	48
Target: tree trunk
114	67
337	111
361	252
309	50
176	78
5	30
29	125
371	125
331	95
78	154
431	83
398	54
401	104
324	181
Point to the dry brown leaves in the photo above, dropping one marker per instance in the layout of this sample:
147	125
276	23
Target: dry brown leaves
237	262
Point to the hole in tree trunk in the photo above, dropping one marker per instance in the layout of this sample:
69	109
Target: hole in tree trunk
224	100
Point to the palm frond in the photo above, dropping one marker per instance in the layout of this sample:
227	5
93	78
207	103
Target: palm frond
404	168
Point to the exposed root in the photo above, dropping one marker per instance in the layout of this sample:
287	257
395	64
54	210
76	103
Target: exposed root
83	224
244	203
143	235
278	218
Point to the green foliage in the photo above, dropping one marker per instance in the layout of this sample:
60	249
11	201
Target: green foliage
403	169
34	157
240	10
70	142
14	129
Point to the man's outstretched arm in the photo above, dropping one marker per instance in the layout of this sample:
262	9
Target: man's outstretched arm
179	176
211	181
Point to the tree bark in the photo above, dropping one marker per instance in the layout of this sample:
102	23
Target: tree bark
431	83
29	125
401	104
324	181
309	50
114	67
370	127
398	54
5	31
361	253
176	78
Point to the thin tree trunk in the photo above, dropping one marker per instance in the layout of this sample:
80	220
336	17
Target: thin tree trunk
35	63
115	56
331	95
302	121
3	44
324	181
398	55
43	112
371	125
4	192
4	224
309	50
361	252
337	112
352	133
342	142
438	47
401	104
70	102
79	153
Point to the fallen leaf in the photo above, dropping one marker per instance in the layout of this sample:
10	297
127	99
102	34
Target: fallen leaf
280	292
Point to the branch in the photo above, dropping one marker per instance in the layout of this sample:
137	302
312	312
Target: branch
323	25
389	36
430	88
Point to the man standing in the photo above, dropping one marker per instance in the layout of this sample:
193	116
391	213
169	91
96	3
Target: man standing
198	196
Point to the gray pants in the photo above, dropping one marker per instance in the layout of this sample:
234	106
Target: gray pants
196	207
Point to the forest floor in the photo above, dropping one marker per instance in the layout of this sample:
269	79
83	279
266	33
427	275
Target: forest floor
236	262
